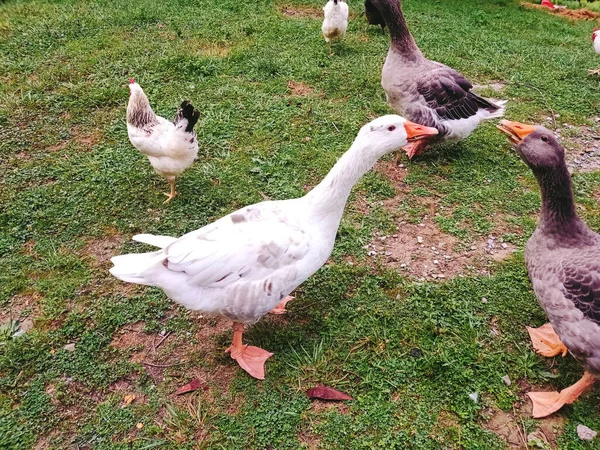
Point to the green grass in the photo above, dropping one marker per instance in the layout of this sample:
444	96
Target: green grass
73	191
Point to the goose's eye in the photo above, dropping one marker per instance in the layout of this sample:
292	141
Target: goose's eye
544	138
391	127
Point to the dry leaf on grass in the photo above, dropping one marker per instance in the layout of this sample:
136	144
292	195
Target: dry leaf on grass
327	393
190	387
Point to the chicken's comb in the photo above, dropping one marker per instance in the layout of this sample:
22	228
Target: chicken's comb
131	81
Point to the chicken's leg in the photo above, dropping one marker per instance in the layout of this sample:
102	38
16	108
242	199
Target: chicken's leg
280	309
546	342
172	195
546	403
251	359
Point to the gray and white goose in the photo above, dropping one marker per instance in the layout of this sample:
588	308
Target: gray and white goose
563	261
425	91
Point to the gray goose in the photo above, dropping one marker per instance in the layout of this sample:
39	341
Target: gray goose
563	261
425	91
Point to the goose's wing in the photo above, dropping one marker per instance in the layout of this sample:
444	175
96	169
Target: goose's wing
248	245
449	93
580	277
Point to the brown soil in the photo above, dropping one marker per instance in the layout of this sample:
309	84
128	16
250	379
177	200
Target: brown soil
299	89
422	250
509	426
132	338
582	146
20	303
301	11
102	249
576	14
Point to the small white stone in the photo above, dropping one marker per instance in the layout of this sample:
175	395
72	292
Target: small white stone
403	265
504	245
586	433
433	248
435	261
506	380
420	239
474	396
69	347
473	247
484	300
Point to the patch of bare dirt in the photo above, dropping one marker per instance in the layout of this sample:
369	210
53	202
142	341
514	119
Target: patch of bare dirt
576	14
497	86
87	140
582	146
424	251
301	12
299	89
102	249
132	338
509	427
18	305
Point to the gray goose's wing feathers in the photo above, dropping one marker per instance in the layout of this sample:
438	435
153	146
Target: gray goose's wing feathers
449	93
581	283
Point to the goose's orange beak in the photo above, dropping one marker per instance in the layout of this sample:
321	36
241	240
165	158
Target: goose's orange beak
515	131
414	131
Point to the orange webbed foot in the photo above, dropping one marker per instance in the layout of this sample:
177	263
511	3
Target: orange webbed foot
280	309
251	359
546	403
546	342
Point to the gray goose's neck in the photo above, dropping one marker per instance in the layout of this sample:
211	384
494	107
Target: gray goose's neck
558	207
402	40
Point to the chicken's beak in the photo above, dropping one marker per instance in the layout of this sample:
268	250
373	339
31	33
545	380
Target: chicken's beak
414	131
515	131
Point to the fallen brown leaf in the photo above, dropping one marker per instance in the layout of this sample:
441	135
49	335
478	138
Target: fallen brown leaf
190	387
327	393
128	399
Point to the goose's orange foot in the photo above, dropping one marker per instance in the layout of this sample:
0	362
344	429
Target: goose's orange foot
546	342
280	309
251	359
546	403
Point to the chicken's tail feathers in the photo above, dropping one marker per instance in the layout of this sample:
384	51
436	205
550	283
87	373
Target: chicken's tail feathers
134	267
188	112
157	241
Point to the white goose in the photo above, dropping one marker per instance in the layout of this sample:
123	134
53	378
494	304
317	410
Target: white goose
246	263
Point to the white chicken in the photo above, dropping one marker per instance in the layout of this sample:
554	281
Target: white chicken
596	42
336	20
171	147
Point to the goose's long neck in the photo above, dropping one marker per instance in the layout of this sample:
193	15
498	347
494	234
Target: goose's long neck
328	199
558	207
402	40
